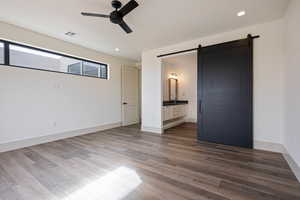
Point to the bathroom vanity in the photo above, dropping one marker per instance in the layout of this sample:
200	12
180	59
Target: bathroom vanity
174	113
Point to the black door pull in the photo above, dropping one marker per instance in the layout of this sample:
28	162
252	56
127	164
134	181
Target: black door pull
200	107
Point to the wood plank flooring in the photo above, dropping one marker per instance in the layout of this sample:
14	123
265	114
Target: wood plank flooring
124	163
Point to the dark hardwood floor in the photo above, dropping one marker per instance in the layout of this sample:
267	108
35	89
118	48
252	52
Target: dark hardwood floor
124	163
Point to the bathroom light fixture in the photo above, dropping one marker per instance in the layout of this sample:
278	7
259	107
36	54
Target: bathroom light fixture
173	76
117	49
241	13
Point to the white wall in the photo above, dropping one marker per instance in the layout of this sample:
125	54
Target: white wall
292	85
151	93
268	78
35	103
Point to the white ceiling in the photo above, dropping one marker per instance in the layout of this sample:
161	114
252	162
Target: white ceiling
156	23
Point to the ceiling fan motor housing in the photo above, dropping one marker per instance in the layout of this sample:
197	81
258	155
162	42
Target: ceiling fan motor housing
116	4
116	17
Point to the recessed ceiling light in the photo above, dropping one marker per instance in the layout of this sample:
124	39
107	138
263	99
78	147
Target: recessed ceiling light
241	13
117	49
71	34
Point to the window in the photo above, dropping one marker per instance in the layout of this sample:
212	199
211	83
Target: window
103	71
88	69
34	58
93	69
1	53
75	68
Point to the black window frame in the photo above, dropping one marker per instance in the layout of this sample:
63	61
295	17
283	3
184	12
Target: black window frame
7	59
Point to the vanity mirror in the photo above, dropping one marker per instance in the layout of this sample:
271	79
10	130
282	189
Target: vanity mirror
173	87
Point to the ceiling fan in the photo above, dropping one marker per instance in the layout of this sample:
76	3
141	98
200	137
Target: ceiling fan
116	16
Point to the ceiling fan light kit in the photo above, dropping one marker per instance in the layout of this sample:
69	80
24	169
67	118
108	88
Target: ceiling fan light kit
118	14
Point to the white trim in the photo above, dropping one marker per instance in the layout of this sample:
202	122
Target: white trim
50	138
293	165
131	123
152	129
268	146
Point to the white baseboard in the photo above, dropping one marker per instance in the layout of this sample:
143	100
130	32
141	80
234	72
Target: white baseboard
293	165
152	129
50	138
268	146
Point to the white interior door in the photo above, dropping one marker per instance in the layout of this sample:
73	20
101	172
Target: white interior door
130	96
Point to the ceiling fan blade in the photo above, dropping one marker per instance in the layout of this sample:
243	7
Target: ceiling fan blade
125	27
94	15
128	7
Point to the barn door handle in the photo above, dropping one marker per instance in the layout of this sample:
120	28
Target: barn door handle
125	103
200	106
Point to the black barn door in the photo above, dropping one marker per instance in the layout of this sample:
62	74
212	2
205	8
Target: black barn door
225	76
